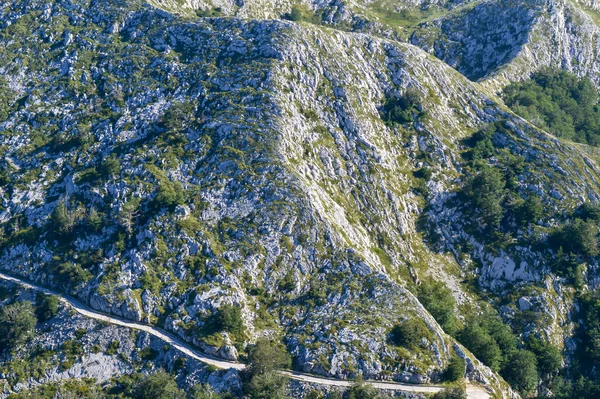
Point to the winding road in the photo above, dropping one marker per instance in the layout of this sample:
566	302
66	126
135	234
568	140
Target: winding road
473	391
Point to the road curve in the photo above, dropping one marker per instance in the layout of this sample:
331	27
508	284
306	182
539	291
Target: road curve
473	392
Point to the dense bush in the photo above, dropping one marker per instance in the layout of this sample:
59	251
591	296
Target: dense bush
315	395
62	219
401	110
560	102
202	391
589	331
214	12
110	166
169	194
302	13
17	324
270	385
47	307
582	388
409	333
491	187
71	274
490	340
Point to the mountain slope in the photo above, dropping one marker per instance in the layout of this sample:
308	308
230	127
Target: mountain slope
172	169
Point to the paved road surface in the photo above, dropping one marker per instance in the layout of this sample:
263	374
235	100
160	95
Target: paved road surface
473	392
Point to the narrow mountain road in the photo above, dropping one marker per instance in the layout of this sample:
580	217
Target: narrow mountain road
473	392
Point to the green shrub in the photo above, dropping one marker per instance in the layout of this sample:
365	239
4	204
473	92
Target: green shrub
438	300
169	194
264	360
486	191
229	318
362	390
62	219
110	166
401	110
71	273
455	370
17	324
214	12
409	333
203	391
531	210
47	307
303	13
80	333
270	385
148	353
315	395
112	348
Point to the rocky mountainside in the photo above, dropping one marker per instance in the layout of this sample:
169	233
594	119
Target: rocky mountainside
177	161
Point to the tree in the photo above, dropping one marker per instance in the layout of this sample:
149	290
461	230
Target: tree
483	346
579	236
127	215
159	385
455	370
265	359
561	102
451	393
267	356
531	210
549	359
270	385
110	166
230	319
521	371
62	219
17	324
296	14
47	307
438	300
486	190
